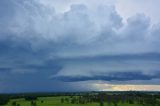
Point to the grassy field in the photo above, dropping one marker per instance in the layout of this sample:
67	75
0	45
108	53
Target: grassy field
56	101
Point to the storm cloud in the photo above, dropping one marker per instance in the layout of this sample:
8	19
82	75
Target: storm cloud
40	46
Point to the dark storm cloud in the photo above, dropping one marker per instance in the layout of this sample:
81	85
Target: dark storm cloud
40	45
5	69
120	57
118	76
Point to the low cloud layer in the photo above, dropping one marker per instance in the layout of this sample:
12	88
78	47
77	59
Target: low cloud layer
83	43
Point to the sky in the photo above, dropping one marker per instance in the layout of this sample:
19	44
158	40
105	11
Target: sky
79	45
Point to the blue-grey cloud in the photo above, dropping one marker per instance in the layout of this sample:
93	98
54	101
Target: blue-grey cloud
118	76
40	44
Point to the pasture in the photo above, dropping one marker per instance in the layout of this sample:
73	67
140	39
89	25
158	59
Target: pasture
82	99
56	101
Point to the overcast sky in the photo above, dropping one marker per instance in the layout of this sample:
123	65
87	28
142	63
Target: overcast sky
79	45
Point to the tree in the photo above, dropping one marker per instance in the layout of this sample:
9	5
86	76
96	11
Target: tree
115	104
62	100
30	98
101	95
67	100
42	101
4	100
101	103
14	103
18	104
73	100
32	103
131	102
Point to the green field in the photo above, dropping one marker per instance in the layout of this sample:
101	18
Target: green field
56	101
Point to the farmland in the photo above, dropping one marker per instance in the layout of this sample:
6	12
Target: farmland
83	99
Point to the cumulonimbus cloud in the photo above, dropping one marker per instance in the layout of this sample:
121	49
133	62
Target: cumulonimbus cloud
76	42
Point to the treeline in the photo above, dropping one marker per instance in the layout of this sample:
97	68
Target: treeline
114	99
4	99
144	98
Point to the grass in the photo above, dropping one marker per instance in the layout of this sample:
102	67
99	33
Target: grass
56	101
